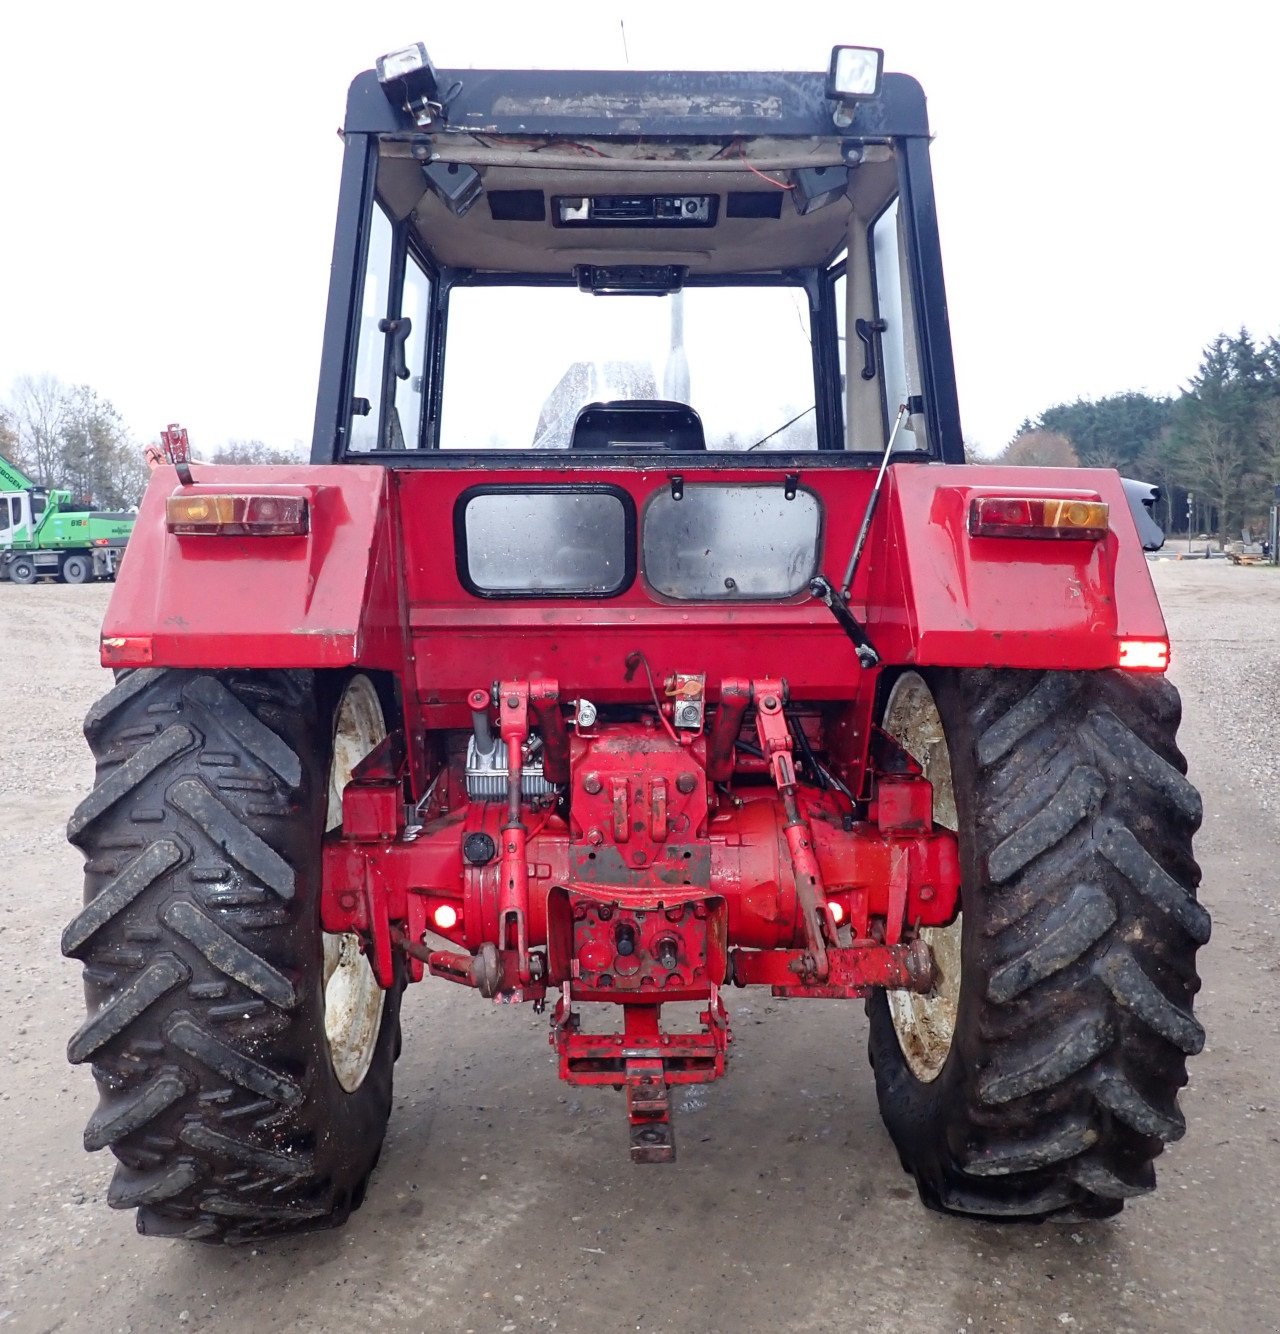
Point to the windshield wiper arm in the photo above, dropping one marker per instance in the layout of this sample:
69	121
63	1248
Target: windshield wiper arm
781	428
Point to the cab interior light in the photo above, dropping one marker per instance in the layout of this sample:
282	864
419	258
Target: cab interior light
1039	516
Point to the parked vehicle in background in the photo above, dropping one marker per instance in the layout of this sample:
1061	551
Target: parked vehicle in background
41	534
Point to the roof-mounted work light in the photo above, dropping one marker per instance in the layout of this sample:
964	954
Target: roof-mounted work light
854	73
852	77
409	79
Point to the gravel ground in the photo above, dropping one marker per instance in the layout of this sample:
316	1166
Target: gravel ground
505	1202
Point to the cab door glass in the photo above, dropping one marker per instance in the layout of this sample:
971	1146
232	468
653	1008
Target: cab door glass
366	408
840	296
886	258
410	394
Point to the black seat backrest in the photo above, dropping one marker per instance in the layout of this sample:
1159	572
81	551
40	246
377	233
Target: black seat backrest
638	423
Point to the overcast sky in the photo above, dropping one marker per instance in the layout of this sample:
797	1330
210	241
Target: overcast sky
1106	176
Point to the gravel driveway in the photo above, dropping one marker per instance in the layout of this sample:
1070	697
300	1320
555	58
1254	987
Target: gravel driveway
505	1202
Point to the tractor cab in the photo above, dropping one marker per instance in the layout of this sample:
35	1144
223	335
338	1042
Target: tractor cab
515	249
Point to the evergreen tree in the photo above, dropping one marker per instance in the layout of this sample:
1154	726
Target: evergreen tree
1216	434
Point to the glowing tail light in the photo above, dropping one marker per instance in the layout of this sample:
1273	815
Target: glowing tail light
445	917
1039	516
236	516
1144	655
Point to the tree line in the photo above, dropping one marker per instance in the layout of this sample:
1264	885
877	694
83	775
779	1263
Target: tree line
71	437
1217	442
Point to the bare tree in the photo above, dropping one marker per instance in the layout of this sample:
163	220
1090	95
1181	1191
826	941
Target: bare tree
252	451
8	436
1215	457
1040	449
38	405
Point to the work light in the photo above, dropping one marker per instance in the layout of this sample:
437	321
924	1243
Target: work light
854	73
408	77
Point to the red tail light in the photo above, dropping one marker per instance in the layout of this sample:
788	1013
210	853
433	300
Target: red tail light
1039	516
126	650
1144	655
235	516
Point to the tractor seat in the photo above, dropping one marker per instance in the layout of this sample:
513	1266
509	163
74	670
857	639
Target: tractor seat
638	423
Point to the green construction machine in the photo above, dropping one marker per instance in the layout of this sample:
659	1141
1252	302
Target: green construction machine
40	534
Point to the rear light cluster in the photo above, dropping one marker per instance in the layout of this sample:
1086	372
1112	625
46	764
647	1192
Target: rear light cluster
1144	655
234	516
1039	516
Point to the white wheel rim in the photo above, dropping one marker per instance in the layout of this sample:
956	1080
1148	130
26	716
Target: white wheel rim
353	1000
925	1025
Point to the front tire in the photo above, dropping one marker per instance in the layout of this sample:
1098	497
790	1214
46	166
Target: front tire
205	969
22	570
1057	1087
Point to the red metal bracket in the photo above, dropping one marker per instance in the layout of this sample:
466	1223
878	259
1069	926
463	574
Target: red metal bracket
820	925
735	695
854	970
513	889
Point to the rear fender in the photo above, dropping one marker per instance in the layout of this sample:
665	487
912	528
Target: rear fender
935	596
329	598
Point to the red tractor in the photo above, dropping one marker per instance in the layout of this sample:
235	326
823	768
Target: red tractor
636	634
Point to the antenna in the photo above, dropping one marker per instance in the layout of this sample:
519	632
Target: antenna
622	23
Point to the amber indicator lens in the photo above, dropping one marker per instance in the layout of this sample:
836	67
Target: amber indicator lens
236	516
1039	516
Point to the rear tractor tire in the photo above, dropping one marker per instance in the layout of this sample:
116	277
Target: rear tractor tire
1043	1074
243	1058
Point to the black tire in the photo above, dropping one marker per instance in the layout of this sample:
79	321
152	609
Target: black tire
22	570
76	570
203	960
1079	933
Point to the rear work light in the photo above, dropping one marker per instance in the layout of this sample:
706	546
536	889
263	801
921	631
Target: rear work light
1038	516
1144	655
236	516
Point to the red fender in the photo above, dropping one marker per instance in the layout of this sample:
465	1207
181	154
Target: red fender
329	598
936	596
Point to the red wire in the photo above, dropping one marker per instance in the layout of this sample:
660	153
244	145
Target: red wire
782	185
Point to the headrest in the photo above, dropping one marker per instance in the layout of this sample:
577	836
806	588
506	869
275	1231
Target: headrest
638	423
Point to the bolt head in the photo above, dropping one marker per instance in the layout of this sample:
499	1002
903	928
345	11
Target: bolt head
592	784
686	783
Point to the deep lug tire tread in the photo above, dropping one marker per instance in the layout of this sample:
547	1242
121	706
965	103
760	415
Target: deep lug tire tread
203	960
1081	927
